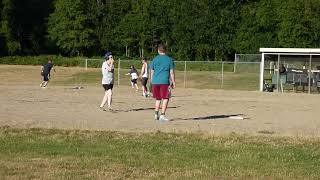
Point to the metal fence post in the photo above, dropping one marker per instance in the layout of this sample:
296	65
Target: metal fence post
235	61
278	73
119	72
185	74
222	69
309	79
86	64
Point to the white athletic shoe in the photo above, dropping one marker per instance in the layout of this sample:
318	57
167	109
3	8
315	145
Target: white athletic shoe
163	118
41	85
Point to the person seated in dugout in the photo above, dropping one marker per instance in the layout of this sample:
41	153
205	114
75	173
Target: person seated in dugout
282	69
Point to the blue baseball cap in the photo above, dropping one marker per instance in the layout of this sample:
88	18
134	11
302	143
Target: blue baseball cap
108	53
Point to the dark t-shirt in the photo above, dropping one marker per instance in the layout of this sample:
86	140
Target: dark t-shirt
133	71
47	68
282	70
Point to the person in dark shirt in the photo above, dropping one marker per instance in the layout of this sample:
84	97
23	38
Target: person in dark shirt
45	72
282	69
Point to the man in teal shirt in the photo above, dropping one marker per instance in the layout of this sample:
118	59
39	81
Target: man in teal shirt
162	75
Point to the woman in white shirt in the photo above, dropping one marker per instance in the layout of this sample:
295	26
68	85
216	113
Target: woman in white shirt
144	77
107	80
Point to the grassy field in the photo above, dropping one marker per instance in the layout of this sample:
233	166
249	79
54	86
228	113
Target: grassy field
74	154
73	76
61	154
194	79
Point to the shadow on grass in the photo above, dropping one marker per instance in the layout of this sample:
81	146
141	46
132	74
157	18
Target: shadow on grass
213	117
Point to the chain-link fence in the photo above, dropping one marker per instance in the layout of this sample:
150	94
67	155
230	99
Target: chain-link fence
238	75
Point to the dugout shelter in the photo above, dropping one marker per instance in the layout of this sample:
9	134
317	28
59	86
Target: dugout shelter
302	68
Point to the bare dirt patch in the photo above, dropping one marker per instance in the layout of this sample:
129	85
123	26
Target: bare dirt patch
25	105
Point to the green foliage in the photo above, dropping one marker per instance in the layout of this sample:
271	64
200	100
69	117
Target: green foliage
258	27
106	17
300	24
23	26
70	26
40	60
193	30
9	27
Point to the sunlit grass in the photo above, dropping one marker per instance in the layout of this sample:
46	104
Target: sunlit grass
40	153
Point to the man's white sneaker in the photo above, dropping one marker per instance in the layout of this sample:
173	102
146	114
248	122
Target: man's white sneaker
163	118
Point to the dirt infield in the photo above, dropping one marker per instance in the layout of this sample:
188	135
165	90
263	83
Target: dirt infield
24	104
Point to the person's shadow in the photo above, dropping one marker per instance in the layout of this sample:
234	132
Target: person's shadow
146	109
213	117
142	109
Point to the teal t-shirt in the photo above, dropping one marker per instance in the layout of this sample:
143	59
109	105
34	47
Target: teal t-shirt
161	66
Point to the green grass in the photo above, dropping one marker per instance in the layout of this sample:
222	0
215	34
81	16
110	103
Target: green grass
194	79
85	78
63	154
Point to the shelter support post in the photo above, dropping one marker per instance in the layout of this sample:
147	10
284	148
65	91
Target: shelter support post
261	72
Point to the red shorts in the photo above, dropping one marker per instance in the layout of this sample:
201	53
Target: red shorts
160	91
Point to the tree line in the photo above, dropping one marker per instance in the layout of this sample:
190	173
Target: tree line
194	30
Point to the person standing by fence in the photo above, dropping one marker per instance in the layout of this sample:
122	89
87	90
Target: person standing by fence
162	73
107	80
144	77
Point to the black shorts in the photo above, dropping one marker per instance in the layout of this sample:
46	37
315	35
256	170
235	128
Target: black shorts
107	86
134	81
46	77
144	81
